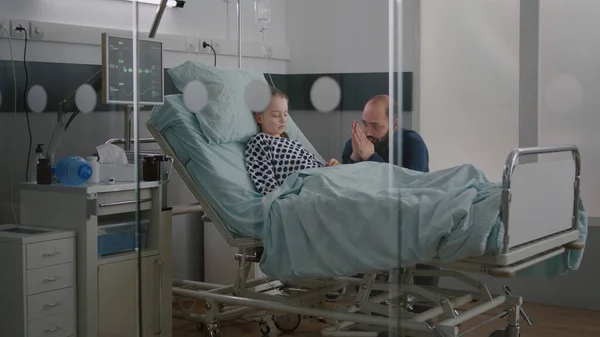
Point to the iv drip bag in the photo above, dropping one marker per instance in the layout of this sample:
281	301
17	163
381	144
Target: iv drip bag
262	12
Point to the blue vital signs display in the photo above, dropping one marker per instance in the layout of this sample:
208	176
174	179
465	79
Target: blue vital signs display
118	69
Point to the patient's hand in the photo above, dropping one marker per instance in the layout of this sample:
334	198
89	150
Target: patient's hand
332	162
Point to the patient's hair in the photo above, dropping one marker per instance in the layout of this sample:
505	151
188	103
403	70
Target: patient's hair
385	100
278	93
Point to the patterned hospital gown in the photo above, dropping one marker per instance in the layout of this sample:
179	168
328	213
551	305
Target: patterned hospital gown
269	160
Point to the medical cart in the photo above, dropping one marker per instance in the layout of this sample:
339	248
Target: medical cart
109	252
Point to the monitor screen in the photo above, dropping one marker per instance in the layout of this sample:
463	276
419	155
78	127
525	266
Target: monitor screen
117	71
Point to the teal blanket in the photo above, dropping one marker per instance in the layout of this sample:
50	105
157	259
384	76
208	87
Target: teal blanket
350	219
347	219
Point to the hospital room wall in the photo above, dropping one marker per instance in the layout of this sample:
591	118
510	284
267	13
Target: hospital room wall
469	84
470	105
205	18
467	99
349	41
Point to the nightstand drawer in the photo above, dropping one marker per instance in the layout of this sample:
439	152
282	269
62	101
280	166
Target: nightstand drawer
50	278
123	202
50	253
50	304
56	326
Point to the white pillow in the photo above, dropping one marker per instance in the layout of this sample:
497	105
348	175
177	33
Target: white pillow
226	118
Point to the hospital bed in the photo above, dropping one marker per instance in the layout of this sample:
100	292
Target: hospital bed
542	220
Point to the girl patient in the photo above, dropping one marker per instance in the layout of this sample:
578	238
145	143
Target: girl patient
270	155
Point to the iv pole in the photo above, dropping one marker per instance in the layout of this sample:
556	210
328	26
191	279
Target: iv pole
157	18
128	108
239	27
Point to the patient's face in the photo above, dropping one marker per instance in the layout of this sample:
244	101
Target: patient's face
273	120
375	122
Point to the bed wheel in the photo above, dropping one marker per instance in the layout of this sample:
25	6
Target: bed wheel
265	330
212	330
287	322
214	333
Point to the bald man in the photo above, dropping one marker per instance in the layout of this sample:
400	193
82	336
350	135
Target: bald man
375	126
371	143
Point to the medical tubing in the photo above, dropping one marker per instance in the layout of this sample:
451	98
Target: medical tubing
264	41
75	113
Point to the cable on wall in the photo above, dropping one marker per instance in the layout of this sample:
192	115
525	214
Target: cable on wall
12	144
206	44
22	29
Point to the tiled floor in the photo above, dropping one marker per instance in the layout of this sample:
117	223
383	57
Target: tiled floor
549	322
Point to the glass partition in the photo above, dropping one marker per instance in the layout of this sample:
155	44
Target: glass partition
69	190
279	143
136	133
335	168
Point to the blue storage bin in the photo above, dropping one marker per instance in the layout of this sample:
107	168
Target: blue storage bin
121	237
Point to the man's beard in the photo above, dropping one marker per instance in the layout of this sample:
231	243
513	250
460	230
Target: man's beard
381	144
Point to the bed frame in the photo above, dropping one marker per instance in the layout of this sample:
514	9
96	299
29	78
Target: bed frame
539	214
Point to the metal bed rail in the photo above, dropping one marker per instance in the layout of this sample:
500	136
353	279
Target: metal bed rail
511	163
209	212
389	309
121	141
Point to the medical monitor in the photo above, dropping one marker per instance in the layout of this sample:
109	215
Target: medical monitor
117	71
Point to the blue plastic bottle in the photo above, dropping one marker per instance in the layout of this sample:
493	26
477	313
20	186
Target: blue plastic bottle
73	171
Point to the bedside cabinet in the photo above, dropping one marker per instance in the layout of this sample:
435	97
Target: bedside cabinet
123	287
37	282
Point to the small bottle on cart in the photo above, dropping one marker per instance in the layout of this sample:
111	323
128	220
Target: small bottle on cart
93	161
39	154
151	168
44	172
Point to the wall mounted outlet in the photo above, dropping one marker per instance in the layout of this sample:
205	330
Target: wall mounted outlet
36	31
4	24
216	45
208	50
202	48
191	45
14	24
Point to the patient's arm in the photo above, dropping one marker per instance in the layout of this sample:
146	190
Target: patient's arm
258	164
